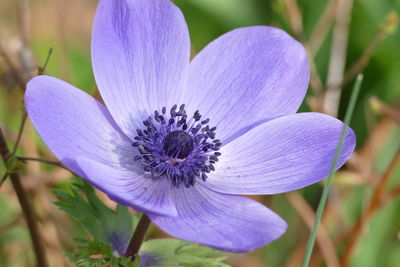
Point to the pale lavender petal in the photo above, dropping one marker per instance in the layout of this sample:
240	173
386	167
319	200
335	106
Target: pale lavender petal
281	155
74	124
247	76
81	133
140	53
130	187
225	222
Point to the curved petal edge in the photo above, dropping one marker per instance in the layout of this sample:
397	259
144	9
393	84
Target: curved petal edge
224	222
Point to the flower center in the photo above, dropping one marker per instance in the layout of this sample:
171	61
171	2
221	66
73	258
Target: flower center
178	144
177	148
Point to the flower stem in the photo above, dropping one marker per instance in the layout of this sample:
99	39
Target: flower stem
138	237
25	205
21	129
325	193
55	163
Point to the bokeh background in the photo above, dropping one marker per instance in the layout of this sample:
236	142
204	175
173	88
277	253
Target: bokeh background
361	224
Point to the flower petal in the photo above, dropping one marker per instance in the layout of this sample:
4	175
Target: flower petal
225	222
81	133
281	155
247	76
130	188
140	53
74	124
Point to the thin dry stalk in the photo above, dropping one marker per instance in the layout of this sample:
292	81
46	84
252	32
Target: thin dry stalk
380	107
315	79
323	25
375	204
13	66
377	139
20	131
25	54
313	44
295	17
51	162
358	66
297	254
24	18
338	56
395	192
307	214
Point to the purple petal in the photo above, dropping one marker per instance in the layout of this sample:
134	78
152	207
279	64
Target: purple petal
130	188
231	223
140	53
281	155
74	124
247	76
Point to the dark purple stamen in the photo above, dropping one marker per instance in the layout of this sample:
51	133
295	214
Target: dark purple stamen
178	143
176	148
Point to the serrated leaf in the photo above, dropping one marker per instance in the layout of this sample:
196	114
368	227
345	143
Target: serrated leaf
171	252
94	253
101	222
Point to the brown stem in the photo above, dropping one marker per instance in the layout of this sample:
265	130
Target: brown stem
138	236
394	192
322	27
21	129
375	204
25	206
46	62
295	17
56	163
376	198
307	214
315	79
358	66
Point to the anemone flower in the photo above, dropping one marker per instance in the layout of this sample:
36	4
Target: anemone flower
182	140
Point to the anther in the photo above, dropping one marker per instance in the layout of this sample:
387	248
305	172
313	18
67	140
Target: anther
205	121
181	149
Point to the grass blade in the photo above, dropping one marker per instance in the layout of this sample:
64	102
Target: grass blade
325	193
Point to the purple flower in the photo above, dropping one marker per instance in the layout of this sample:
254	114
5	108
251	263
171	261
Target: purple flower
182	140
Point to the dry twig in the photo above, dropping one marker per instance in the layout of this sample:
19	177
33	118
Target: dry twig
307	214
55	163
323	25
295	17
376	202
338	56
380	107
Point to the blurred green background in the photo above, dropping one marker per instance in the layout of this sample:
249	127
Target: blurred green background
29	28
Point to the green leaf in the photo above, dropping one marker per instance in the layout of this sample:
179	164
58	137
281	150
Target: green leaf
171	252
101	222
93	253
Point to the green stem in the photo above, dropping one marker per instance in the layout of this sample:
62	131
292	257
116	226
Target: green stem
325	193
138	237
